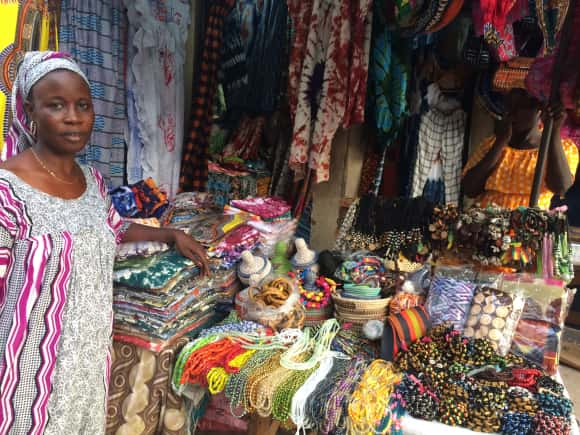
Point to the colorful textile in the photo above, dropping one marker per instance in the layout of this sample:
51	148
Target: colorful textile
324	83
300	14
267	208
246	140
34	66
388	81
56	259
159	409
140	200
35	29
194	166
8	21
158	34
539	343
510	183
93	32
403	329
538	81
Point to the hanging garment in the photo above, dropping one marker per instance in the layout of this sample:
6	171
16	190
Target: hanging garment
93	32
388	81
264	61
26	25
324	85
194	169
300	12
362	19
158	33
441	136
8	20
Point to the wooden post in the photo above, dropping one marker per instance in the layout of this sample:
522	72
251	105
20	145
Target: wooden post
554	96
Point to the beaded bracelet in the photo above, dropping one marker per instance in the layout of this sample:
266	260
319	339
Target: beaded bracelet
371	397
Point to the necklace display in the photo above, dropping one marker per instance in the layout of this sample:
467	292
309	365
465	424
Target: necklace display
52	174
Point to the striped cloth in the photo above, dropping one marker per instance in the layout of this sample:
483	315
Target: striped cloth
194	165
93	32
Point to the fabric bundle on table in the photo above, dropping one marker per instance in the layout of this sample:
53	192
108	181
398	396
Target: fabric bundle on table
161	298
273	220
227	184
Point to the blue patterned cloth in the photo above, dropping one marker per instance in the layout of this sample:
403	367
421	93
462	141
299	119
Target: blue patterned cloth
93	32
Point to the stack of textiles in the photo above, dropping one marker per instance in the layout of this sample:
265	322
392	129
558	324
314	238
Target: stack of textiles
140	200
227	184
160	298
142	248
271	216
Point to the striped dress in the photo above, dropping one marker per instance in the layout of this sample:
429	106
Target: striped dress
56	264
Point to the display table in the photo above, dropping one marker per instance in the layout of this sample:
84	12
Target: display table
141	400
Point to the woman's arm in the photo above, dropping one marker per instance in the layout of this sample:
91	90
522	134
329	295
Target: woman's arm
184	244
473	182
558	176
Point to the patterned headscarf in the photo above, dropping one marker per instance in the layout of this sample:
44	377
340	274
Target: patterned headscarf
34	66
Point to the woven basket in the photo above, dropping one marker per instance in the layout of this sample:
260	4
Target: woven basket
358	312
341	303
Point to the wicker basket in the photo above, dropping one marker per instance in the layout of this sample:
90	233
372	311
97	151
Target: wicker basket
359	311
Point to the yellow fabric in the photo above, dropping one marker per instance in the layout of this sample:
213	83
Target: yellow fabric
510	183
8	21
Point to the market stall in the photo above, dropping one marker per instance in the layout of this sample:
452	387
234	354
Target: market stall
417	315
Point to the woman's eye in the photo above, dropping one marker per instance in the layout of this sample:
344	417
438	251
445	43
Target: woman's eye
56	106
84	106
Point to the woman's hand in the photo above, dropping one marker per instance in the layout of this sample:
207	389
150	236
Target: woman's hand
188	247
557	113
503	130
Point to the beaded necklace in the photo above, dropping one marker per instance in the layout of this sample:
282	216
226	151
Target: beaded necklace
367	405
282	399
337	405
298	409
254	379
236	386
315	404
320	345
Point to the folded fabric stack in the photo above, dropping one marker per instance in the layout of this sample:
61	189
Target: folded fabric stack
142	248
160	298
272	217
140	200
227	183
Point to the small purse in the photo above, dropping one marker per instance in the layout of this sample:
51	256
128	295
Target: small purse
402	329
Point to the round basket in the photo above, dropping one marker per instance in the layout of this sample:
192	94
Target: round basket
356	305
358	312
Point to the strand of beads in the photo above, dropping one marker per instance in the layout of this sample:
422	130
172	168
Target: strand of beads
321	346
336	409
367	405
236	386
314	409
201	361
218	377
254	380
184	356
298	408
282	399
550	424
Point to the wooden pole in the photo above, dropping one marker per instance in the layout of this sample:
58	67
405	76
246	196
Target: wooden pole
554	96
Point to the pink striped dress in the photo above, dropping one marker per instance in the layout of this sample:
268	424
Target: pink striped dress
56	265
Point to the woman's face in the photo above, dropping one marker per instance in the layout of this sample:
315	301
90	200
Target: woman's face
60	103
525	110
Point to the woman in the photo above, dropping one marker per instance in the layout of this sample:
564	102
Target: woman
501	170
58	235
